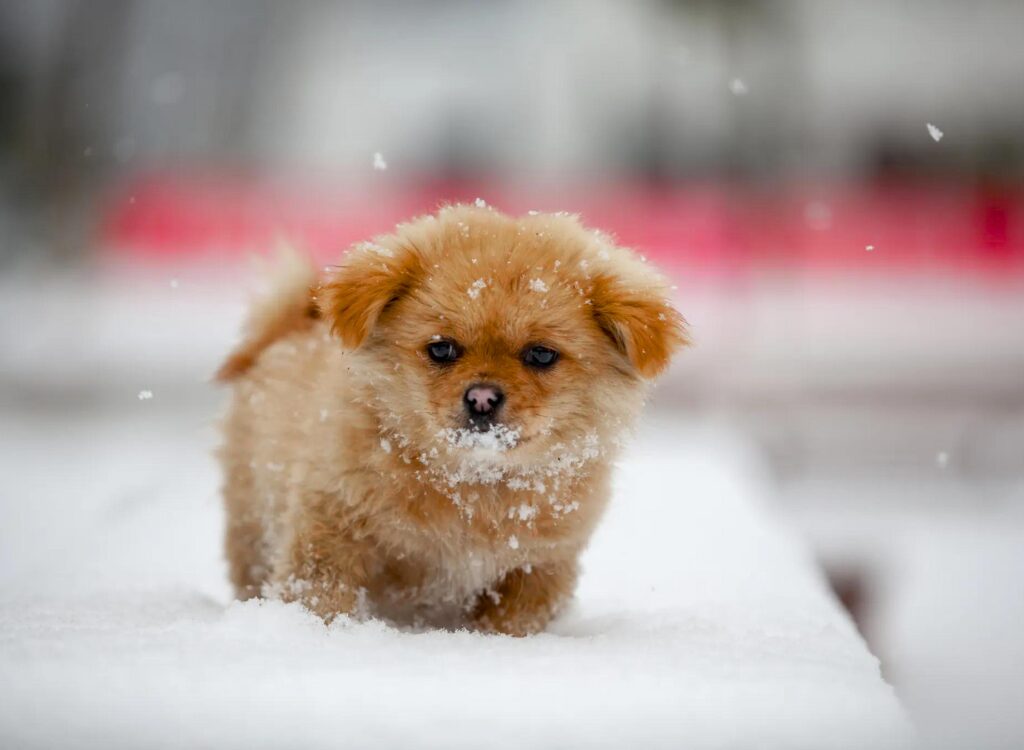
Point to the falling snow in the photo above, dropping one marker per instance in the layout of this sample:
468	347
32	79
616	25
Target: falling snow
378	162
818	215
935	133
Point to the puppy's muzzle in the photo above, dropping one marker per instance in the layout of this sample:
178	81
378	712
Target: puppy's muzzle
482	402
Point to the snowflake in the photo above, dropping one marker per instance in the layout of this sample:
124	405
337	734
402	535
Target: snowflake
475	287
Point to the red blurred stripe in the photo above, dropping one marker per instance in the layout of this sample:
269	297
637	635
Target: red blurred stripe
717	229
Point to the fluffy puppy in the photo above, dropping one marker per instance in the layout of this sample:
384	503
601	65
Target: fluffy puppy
425	432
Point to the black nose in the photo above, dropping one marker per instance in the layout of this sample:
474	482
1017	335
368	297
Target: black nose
482	401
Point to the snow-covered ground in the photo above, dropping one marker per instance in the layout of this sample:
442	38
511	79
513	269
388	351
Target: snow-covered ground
116	626
699	622
943	594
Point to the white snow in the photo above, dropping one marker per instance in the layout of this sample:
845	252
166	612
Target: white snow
538	285
378	162
480	203
869	248
738	87
498	438
513	542
935	133
385	445
527	512
698	622
373	247
475	288
145	395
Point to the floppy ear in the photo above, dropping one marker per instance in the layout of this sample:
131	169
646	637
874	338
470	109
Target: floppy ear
641	323
353	295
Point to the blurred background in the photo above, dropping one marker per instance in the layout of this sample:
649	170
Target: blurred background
837	188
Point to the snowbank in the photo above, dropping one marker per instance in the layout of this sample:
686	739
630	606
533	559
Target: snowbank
698	622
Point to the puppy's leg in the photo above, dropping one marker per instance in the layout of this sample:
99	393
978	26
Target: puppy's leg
325	566
524	602
244	542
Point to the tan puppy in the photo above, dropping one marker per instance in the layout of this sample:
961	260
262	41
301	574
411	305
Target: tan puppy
426	432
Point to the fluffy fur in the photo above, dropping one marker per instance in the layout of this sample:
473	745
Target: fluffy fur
352	480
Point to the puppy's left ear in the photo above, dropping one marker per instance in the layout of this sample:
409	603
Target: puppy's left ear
356	293
640	321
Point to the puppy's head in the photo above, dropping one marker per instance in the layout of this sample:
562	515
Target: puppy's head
526	339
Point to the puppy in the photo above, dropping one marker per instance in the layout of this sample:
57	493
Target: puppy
425	432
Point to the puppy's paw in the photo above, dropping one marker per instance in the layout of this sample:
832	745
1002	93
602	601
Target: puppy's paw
525	600
499	620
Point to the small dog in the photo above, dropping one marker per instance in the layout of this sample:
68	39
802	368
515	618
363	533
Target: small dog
425	432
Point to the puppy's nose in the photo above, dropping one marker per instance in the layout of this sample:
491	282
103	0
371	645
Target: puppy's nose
482	400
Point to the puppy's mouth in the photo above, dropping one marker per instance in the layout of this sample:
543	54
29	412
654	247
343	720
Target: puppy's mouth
490	437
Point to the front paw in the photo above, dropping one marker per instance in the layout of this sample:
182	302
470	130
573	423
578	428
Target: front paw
499	612
498	620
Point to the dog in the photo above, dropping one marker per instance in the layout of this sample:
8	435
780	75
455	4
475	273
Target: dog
425	432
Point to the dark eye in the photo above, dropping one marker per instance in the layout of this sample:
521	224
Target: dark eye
443	352
540	357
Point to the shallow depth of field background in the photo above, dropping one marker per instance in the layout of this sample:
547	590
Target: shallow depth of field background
854	280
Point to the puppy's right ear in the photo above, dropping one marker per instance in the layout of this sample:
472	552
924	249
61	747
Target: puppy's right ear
353	295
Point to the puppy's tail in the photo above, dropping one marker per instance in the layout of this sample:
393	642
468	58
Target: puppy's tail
287	306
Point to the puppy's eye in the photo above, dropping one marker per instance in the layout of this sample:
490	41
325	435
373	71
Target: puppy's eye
540	357
443	352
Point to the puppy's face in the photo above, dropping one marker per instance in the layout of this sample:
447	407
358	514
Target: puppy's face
526	340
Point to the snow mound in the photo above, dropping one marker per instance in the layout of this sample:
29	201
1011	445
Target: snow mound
698	621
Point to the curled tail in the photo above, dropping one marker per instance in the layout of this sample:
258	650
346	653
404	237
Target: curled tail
289	305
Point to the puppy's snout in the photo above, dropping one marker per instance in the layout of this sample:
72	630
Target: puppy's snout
482	401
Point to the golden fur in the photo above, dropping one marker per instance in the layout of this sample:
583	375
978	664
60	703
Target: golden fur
352	483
